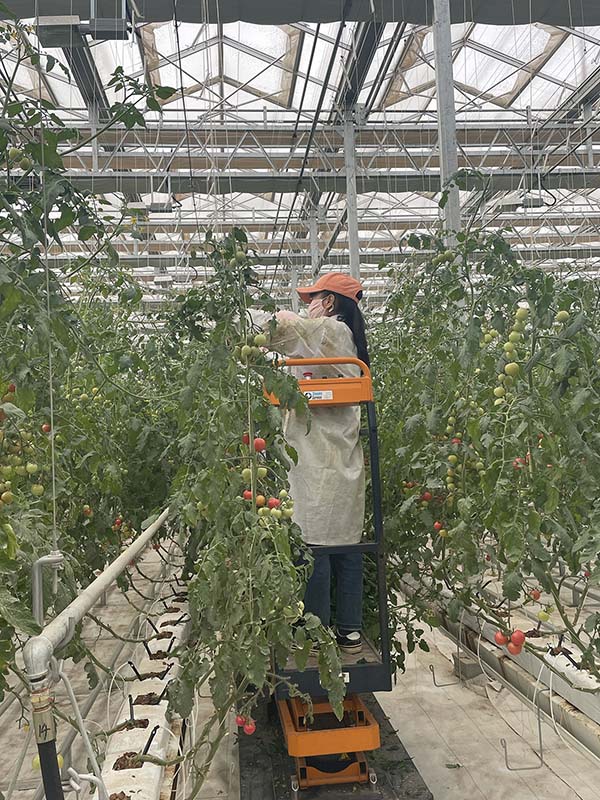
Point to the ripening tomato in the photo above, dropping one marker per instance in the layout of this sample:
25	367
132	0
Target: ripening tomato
535	594
259	444
517	637
11	388
514	649
46	427
246	438
426	497
260	500
501	638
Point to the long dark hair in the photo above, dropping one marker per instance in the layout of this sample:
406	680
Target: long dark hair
348	311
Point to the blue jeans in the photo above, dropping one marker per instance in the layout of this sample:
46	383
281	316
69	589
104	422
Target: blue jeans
348	571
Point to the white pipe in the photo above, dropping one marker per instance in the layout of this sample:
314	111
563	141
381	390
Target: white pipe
39	649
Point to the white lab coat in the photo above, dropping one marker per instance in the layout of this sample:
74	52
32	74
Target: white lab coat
328	483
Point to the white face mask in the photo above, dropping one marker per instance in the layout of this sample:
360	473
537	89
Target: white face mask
316	308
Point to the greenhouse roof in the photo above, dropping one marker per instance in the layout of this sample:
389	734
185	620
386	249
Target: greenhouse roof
254	136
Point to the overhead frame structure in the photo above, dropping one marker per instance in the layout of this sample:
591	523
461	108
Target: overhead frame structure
262	142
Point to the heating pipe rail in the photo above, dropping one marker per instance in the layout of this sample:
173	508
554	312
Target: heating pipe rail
39	652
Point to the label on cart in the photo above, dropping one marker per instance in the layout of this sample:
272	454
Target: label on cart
325	394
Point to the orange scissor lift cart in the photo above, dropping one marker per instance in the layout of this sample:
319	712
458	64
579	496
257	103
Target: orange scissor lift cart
327	751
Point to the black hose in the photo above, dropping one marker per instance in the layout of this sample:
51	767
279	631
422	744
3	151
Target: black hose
50	771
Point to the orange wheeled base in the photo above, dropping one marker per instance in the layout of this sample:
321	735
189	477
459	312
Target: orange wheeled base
310	742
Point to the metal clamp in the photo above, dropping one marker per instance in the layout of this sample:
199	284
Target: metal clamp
55	559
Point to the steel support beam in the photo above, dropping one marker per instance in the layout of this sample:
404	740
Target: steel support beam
313	231
393	182
351	193
446	112
368	259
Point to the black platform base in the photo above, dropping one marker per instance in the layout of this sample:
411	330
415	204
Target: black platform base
266	769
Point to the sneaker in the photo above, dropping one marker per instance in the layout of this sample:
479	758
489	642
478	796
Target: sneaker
349	642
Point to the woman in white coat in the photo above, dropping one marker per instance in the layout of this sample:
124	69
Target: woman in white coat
328	482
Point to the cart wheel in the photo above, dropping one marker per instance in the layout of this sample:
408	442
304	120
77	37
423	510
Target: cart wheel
294	786
372	776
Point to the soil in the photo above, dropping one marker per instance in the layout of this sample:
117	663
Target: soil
137	723
150	699
127	761
160	654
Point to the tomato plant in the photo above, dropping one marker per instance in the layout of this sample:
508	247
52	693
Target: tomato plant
488	382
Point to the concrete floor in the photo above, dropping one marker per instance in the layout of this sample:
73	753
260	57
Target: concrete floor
453	735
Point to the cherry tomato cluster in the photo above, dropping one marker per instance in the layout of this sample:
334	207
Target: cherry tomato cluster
513	642
246	724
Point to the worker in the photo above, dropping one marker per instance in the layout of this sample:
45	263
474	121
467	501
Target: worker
328	482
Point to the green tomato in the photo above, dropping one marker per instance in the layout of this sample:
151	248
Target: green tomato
499	391
512	369
514	336
283	494
508	347
453	459
522	313
247	474
488	338
246	351
276	512
543	616
261	472
37	490
260	340
562	317
287	513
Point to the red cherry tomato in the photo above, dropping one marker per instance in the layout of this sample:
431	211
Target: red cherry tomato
259	444
274	502
246	438
118	522
513	649
535	594
247	494
437	526
517	637
12	388
249	727
426	497
501	638
46	427
240	721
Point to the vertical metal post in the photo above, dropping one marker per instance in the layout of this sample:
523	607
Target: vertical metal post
313	233
589	145
93	118
294	286
351	197
444	85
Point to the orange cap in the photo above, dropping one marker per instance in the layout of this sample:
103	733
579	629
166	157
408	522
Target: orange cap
337	282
